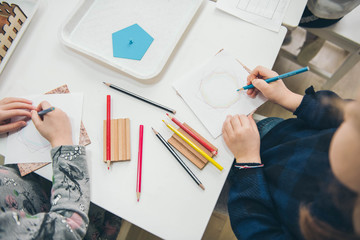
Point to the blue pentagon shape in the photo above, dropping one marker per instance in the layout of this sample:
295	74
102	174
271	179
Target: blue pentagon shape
131	42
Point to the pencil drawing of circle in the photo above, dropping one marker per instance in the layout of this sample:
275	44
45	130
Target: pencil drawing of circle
32	139
218	89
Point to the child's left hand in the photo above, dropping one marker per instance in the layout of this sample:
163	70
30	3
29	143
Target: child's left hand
14	107
242	138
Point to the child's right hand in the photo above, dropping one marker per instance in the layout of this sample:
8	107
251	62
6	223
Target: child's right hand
270	91
55	125
275	91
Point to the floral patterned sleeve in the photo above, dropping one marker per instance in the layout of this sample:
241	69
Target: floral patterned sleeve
24	214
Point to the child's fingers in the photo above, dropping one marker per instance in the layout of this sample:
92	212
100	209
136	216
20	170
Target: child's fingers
14	113
10	127
14	99
36	119
18	105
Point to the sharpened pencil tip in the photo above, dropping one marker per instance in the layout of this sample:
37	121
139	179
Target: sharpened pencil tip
202	186
240	89
214	152
108	164
154	130
174	112
107	84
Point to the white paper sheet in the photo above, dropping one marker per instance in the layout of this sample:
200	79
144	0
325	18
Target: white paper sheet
28	146
268	14
210	91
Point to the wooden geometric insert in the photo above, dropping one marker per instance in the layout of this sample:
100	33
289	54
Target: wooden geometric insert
11	21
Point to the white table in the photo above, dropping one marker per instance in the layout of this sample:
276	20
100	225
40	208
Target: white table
172	206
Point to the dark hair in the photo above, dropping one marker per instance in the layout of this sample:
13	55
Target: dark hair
315	229
337	204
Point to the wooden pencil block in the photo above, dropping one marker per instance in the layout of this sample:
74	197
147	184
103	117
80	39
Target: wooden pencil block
196	158
184	151
113	140
120	140
128	150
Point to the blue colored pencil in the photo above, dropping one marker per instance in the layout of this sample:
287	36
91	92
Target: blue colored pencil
43	112
285	75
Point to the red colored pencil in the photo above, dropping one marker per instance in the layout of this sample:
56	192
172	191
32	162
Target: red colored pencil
188	131
108	131
139	167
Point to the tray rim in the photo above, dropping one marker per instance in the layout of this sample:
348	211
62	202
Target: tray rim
65	39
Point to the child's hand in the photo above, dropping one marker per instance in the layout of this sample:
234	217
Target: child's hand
242	138
275	91
256	78
14	107
55	125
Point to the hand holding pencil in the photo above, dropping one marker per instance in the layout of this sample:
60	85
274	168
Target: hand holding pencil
261	72
55	126
276	92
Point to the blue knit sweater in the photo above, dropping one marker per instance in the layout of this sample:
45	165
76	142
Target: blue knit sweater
264	202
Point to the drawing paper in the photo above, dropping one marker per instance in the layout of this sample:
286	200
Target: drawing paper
210	91
268	14
28	146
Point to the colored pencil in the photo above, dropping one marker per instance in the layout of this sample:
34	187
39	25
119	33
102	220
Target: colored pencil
108	130
282	76
167	145
193	135
196	148
45	111
139	167
140	97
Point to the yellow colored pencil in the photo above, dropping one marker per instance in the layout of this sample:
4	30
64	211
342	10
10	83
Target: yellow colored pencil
199	150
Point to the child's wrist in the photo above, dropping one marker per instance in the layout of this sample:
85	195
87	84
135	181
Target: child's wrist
248	159
62	141
283	97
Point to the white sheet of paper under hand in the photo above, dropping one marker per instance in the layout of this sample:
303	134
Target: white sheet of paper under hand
28	146
210	91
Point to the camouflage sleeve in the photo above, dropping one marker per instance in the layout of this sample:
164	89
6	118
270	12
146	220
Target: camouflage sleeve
70	200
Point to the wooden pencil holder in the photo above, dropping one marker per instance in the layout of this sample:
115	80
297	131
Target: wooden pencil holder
120	140
186	150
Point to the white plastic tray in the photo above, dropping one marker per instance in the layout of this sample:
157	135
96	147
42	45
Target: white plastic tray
89	30
29	7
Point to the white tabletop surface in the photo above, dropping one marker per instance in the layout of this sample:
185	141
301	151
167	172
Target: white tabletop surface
172	206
